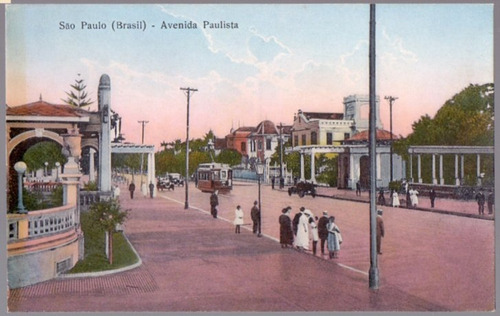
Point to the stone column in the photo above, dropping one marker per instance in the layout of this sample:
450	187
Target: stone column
419	168
91	165
104	106
351	170
313	166
457	179
441	175
411	167
462	169
434	180
302	178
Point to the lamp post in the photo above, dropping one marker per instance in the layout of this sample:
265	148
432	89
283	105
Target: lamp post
20	168
46	164
391	100
142	154
58	164
186	185
259	169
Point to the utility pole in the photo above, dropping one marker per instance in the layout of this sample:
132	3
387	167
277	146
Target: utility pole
373	273
142	154
281	152
188	93
391	100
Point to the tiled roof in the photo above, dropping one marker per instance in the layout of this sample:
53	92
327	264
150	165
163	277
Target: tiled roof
266	127
380	135
42	108
323	115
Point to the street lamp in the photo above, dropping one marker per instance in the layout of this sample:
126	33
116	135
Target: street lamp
259	169
391	100
189	91
46	164
20	168
58	164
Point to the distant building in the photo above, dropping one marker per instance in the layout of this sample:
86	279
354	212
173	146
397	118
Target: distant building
238	139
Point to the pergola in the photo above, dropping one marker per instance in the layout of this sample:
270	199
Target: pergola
447	150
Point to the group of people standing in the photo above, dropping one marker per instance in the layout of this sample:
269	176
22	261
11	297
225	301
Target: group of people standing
306	227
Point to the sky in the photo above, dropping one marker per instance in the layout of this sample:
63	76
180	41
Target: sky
279	59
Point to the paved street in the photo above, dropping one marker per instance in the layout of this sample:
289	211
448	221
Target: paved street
192	262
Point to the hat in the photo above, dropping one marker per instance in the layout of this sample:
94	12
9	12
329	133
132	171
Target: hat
325	213
255	203
302	209
284	210
379	212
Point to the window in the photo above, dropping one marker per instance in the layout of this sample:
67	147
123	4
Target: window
259	145
314	138
268	144
346	135
329	138
303	139
295	140
243	147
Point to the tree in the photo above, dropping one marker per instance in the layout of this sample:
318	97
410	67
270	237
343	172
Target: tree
467	119
106	214
229	156
47	151
78	97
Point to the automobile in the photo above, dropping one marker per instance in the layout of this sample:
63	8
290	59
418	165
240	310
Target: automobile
302	188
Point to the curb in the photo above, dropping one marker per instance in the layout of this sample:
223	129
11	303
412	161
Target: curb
105	272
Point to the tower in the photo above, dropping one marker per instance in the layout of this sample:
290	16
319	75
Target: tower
357	108
104	101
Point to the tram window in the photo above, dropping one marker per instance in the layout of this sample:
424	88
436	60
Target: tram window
216	175
223	175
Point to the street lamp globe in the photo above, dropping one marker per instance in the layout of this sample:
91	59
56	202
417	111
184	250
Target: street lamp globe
58	164
20	168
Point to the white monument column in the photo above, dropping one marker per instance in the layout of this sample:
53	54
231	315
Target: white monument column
419	168
441	175
302	178
313	166
457	179
434	180
91	165
104	106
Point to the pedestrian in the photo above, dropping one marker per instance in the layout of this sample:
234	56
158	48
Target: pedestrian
302	241
414	197
151	189
432	196
480	198
255	215
131	188
214	202
314	231
116	192
273	179
491	201
295	222
381	197
282	182
395	198
408	199
334	238
323	231
286	232
358	189
380	231
238	219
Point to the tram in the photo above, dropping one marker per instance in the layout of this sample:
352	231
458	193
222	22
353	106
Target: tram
211	177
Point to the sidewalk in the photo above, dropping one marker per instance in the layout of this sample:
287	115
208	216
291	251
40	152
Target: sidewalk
192	262
444	206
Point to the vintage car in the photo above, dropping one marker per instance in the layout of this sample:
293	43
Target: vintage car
303	188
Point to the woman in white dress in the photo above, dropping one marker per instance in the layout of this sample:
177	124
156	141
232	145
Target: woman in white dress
238	219
302	241
413	197
395	198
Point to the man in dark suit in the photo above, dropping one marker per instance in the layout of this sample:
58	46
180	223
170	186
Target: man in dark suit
323	231
214	201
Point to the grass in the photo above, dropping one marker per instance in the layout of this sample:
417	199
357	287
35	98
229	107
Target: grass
95	256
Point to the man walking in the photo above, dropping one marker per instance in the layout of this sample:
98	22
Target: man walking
480	198
151	189
432	196
214	201
358	189
255	215
131	188
323	231
380	231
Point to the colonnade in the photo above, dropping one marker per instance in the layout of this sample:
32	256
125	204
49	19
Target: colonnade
458	151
